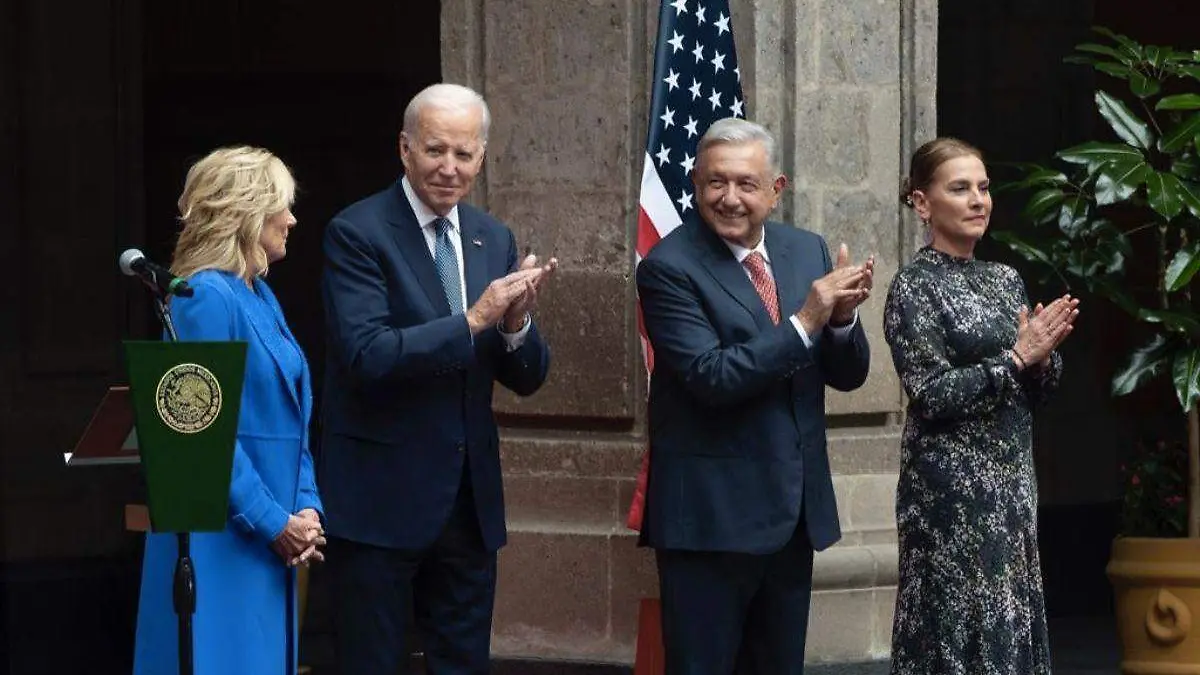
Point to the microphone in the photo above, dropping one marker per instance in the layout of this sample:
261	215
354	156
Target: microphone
135	264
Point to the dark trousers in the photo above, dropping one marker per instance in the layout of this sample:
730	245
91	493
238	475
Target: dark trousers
448	588
727	613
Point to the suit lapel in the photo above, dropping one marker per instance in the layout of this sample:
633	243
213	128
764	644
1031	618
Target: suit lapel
784	268
730	274
412	245
269	328
475	255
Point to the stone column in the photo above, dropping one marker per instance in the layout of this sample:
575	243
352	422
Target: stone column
849	88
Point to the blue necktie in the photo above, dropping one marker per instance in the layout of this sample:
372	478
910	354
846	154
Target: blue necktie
446	262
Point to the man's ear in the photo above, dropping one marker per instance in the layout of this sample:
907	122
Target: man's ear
781	182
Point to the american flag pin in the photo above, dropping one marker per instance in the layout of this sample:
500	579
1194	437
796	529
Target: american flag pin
478	243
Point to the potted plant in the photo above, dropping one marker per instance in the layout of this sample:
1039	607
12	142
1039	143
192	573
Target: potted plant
1139	191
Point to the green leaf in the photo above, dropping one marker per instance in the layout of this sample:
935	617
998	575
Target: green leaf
1190	71
1143	86
1174	140
1180	322
1183	267
1179	102
1186	167
1116	70
1042	203
1037	176
1027	250
1163	191
1186	374
1094	154
1118	181
1128	46
1128	126
1143	365
1094	48
1155	55
1190	193
1074	214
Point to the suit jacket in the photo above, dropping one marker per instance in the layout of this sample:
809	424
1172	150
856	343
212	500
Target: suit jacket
243	589
737	404
408	392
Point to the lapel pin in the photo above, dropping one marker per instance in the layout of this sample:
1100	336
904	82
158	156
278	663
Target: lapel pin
477	243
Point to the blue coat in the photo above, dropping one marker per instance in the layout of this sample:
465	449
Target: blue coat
408	391
244	621
737	403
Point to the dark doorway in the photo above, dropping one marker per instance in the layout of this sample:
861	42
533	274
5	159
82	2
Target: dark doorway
103	106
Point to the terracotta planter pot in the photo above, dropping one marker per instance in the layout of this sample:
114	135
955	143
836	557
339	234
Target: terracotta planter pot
1157	587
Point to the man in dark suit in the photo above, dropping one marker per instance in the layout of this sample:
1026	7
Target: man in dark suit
426	308
740	492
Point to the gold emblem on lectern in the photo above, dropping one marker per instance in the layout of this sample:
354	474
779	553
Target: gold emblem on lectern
188	398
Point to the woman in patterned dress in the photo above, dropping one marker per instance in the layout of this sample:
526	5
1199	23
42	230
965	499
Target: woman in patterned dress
974	361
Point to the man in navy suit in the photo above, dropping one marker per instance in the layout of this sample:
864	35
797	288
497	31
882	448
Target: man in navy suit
426	308
749	321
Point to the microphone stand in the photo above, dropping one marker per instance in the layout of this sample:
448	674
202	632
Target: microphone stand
183	595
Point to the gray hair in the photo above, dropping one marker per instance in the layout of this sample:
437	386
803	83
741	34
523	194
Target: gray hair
737	131
446	96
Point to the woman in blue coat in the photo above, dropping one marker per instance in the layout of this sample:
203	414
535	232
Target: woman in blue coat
236	214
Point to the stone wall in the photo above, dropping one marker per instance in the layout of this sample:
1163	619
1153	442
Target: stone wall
849	89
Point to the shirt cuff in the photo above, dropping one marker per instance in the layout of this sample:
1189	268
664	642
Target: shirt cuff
513	341
842	332
800	329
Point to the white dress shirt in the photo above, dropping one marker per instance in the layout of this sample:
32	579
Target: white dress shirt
425	217
741	253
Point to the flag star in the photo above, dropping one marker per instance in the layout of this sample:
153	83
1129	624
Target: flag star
695	89
672	80
738	70
663	155
668	118
691	127
700	14
676	42
737	107
685	201
718	61
722	25
698	52
680	6
687	163
715	99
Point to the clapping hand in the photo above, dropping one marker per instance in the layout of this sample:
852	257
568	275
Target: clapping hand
523	304
837	293
1041	332
843	311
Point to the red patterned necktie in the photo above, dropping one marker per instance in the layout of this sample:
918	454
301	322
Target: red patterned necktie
763	283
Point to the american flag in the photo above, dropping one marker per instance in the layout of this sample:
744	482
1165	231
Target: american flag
696	82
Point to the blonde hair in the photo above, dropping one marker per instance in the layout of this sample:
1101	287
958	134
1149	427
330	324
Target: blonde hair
226	198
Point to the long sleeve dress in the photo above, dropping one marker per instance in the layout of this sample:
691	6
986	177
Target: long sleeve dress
970	595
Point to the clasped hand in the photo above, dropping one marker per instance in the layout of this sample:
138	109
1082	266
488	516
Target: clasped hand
511	297
298	542
837	295
1042	332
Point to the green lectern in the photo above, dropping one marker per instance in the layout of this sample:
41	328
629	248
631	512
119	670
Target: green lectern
185	399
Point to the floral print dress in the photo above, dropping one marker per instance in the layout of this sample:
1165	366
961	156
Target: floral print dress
970	595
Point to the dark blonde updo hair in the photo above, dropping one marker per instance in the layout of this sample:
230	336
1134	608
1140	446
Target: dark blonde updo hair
927	159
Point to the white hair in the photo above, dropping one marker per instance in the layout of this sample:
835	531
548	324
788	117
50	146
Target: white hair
446	96
737	131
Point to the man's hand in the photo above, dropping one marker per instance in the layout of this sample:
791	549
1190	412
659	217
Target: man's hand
498	297
843	311
843	286
514	318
